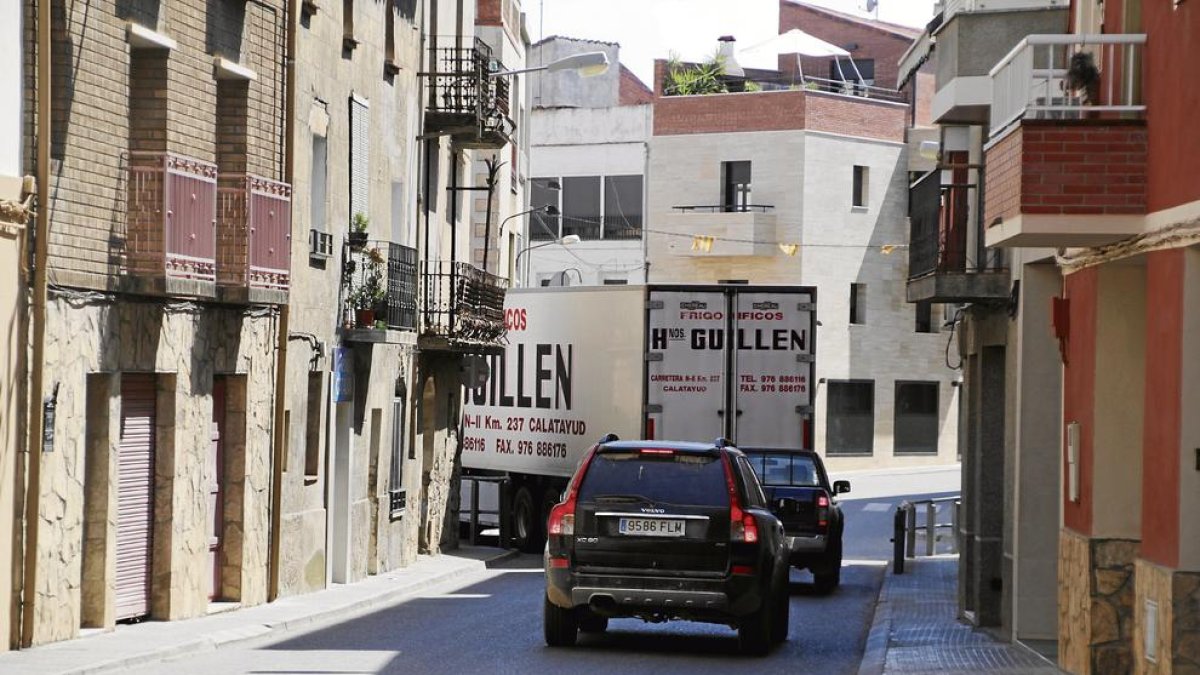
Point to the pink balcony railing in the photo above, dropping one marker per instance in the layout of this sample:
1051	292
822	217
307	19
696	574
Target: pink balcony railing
172	209
254	226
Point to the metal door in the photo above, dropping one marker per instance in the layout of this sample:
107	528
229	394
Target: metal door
215	475
686	370
135	496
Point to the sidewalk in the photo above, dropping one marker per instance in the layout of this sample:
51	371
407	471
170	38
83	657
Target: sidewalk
916	630
129	645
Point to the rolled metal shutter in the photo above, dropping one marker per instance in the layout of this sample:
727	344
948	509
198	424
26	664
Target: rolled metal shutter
135	496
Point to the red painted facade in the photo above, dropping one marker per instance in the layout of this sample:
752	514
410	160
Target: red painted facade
1164	385
1172	100
1079	392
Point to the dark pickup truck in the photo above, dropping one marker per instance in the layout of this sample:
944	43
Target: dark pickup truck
799	494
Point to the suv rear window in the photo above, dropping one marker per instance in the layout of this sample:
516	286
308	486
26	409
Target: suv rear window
783	469
679	478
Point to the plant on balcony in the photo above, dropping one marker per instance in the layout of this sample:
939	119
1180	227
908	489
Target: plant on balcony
371	292
691	79
358	230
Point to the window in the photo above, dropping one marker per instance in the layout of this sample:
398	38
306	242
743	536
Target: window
735	186
348	40
543	195
755	498
858	303
916	418
843	70
622	207
544	280
924	312
860	186
581	206
391	64
785	469
397	498
319	180
615	281
312	427
677	478
850	424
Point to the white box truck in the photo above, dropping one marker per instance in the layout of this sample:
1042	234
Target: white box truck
685	363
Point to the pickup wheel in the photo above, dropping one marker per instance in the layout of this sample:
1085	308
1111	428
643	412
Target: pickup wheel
830	576
527	535
754	632
561	626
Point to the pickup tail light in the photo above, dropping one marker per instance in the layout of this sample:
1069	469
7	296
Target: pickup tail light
743	570
742	526
822	511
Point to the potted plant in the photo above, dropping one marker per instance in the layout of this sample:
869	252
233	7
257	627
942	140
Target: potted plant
371	292
358	230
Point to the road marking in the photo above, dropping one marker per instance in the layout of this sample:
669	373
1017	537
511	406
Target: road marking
878	506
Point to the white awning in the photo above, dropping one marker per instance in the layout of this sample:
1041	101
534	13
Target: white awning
796	41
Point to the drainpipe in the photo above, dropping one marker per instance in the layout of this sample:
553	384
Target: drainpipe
279	442
33	487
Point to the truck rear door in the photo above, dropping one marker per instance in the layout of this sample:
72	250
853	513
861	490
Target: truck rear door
687	354
653	511
773	368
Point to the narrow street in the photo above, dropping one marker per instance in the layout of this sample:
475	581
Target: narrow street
492	623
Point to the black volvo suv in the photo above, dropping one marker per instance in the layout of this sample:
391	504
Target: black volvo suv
661	531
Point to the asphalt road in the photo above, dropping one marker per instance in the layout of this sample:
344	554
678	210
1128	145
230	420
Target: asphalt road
493	625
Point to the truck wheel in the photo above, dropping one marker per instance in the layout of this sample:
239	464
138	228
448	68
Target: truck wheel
560	625
590	622
754	632
526	532
831	576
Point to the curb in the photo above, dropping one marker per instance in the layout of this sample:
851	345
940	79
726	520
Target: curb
875	653
235	636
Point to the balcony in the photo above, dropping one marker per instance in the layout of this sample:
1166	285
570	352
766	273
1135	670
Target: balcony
171	227
254	240
388	273
946	265
1067	150
747	230
462	308
465	101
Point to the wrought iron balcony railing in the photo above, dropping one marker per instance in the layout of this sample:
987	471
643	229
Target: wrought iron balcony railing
171	217
465	98
462	304
254	232
725	208
392	269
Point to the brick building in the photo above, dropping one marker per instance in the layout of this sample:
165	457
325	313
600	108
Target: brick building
778	180
167	225
1079	379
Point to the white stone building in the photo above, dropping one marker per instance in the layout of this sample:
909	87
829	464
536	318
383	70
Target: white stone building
588	160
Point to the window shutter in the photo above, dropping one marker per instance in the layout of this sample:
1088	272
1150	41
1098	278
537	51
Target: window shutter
360	145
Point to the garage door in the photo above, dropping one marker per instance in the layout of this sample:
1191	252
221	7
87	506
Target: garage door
135	496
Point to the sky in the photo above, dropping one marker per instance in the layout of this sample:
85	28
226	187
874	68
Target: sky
651	29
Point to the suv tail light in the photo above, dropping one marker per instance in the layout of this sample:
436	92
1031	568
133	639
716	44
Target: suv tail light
742	526
562	516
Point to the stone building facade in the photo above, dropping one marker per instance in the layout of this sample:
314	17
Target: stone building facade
167	247
807	185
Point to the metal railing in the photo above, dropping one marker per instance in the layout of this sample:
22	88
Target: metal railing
462	303
794	82
724	208
1068	77
595	228
254	232
402	287
172	216
905	529
462	85
398	307
952	7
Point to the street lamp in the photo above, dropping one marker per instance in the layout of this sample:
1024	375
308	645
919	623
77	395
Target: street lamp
562	241
587	64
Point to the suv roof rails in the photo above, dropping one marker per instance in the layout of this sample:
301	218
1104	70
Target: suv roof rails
722	442
608	438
